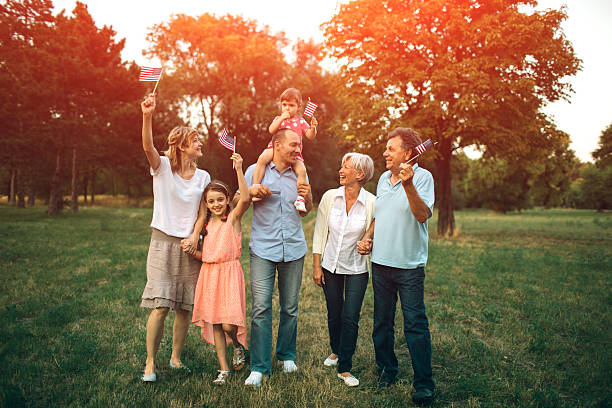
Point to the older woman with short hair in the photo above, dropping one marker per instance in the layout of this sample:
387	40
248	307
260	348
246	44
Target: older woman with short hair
343	216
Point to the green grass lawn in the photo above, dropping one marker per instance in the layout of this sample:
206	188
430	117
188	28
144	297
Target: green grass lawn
519	308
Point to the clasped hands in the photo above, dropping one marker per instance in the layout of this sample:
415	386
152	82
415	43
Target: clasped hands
364	247
189	246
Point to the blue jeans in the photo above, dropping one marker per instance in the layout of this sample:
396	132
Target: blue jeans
344	296
409	283
263	273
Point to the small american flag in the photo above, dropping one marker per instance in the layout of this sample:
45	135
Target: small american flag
424	146
310	109
148	74
227	141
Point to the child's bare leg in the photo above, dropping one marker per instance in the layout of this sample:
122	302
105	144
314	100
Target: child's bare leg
300	170
220	346
238	358
260	168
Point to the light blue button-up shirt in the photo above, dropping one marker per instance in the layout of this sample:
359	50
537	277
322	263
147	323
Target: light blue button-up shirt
276	227
400	241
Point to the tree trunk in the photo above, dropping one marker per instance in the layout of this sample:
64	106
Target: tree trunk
75	193
85	181
93	187
11	199
20	192
31	193
56	200
446	217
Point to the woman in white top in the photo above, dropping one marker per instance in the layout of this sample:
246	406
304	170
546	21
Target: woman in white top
343	216
171	273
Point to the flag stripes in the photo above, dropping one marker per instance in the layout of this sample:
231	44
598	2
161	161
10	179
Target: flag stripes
310	109
227	141
424	146
149	74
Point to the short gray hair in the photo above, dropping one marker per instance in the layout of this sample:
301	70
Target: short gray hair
361	162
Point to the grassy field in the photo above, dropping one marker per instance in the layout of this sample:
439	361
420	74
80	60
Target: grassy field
519	308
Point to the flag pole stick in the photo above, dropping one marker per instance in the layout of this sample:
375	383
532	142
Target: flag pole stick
235	143
160	75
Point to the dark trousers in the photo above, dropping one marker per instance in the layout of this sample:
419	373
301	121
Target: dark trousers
344	296
409	283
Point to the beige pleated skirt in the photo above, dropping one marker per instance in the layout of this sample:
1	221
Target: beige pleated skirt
171	274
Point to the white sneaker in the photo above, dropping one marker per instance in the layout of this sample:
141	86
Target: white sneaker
300	205
289	366
255	379
329	362
349	380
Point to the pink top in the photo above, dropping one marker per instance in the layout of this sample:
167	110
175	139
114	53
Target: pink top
298	125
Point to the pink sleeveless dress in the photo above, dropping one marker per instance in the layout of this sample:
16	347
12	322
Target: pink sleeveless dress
219	294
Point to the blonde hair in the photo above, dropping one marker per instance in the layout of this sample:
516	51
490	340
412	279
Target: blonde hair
180	136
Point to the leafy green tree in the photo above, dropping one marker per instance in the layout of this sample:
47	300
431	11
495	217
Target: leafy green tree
595	188
87	80
553	174
496	184
227	72
603	154
24	96
464	73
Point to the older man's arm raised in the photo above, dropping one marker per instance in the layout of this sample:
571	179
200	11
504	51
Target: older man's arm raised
419	209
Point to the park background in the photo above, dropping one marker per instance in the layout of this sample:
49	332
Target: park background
518	284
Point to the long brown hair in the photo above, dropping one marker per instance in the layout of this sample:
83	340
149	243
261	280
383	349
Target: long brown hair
221	187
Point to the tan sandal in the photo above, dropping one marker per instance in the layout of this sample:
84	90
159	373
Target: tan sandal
221	378
239	358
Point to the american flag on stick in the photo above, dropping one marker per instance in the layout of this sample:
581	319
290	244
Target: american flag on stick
149	74
227	141
420	149
424	146
310	109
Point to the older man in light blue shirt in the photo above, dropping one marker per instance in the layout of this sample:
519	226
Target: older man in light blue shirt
277	244
404	203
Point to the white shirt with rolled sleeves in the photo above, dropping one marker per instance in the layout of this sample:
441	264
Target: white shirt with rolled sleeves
345	230
175	200
336	232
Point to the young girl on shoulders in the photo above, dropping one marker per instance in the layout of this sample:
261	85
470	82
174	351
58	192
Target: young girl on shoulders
290	118
219	304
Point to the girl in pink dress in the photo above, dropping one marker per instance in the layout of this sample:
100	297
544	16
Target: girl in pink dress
219	303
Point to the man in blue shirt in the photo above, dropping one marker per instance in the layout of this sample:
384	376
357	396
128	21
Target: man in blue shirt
404	203
277	244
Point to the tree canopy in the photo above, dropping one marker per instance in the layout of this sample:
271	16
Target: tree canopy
462	72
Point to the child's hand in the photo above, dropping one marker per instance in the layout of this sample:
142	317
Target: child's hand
314	123
285	115
237	159
148	105
188	246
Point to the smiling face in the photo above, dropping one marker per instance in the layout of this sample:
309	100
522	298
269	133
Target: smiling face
286	147
395	154
348	174
193	150
217	203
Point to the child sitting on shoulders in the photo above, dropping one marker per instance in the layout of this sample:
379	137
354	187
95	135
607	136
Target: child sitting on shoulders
290	105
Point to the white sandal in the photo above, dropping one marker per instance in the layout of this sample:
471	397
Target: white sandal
221	378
